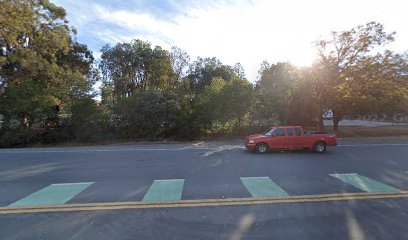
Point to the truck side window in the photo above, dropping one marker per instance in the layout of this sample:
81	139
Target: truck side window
279	132
298	132
289	131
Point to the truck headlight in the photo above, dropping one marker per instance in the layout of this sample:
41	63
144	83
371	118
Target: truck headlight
251	141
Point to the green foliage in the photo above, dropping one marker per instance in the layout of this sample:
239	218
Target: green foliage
236	97
303	107
275	90
43	71
338	57
179	61
285	94
130	68
149	115
224	104
88	120
27	102
377	84
190	124
16	137
203	70
29	17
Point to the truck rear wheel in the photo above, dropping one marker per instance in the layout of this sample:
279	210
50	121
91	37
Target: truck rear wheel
319	147
261	148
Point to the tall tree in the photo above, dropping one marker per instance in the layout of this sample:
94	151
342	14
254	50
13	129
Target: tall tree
275	90
180	61
343	51
37	25
239	70
128	68
236	97
162	75
41	66
203	70
377	84
225	102
303	109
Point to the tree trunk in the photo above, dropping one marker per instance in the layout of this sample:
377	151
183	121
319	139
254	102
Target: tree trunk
321	123
239	121
337	116
336	124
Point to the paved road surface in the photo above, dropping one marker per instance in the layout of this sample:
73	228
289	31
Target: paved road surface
204	191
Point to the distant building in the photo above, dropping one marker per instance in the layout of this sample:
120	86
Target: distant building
328	114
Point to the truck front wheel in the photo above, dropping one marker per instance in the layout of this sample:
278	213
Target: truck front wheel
261	148
319	147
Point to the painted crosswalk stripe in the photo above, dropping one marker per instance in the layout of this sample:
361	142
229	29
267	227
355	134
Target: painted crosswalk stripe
54	194
262	187
165	190
364	183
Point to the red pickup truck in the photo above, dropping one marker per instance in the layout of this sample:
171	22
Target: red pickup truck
289	137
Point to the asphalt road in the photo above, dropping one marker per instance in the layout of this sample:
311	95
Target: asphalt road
354	191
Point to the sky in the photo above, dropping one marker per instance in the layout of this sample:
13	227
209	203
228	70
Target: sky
245	31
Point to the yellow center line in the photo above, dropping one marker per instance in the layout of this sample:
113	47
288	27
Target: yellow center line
204	203
204	200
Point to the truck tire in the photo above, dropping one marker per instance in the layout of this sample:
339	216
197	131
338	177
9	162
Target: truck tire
261	148
319	147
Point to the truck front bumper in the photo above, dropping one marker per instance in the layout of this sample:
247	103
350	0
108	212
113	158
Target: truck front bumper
250	146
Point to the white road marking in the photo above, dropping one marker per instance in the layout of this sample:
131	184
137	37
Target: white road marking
222	148
81	231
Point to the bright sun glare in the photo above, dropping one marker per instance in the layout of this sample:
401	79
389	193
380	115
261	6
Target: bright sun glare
245	31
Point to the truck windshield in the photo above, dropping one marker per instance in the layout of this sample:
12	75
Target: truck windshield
269	133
